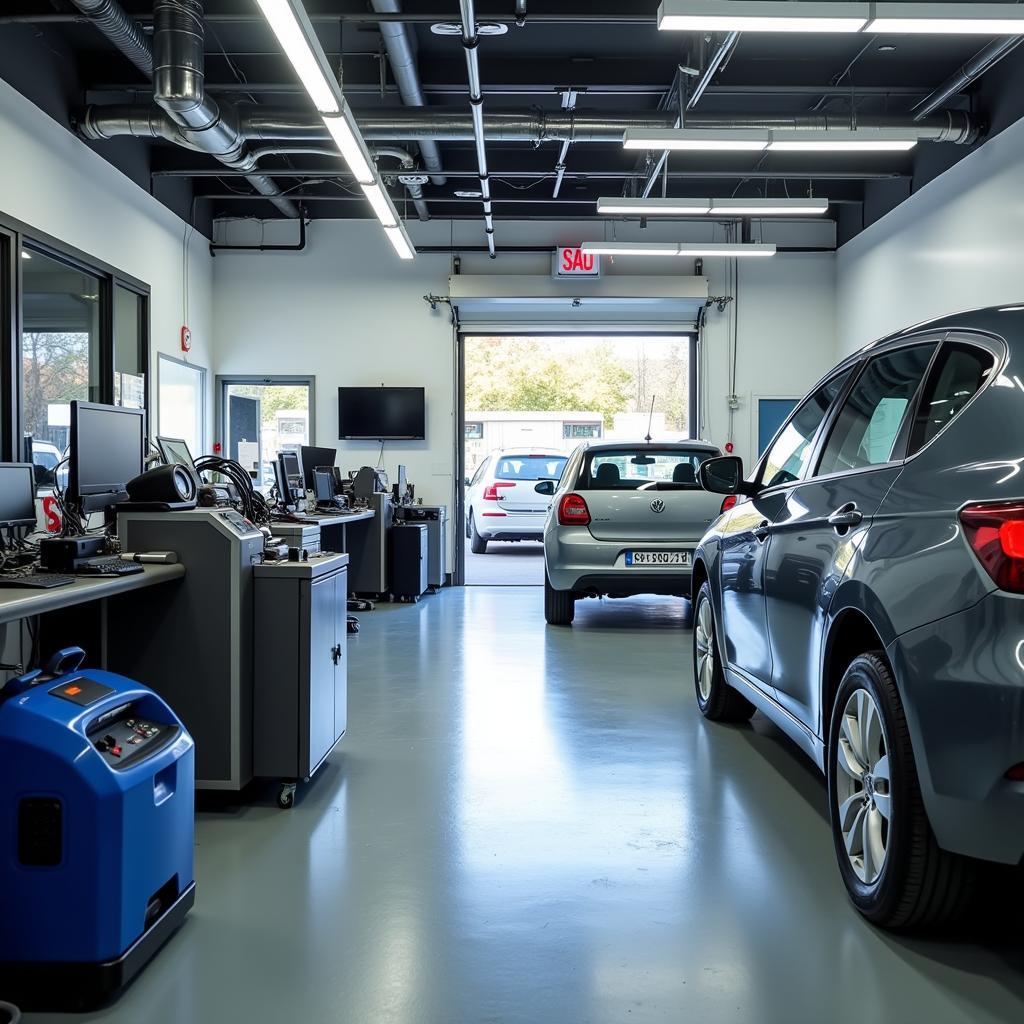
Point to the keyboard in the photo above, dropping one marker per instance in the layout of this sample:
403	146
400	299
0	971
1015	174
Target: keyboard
36	581
109	567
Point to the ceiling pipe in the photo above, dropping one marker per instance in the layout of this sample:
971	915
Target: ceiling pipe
470	43
412	186
121	29
175	62
720	58
398	41
520	13
970	72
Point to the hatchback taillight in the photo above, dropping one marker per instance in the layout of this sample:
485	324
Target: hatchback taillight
491	490
996	535
573	511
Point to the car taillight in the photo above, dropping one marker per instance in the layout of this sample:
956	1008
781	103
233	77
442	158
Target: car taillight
573	511
491	490
996	535
730	501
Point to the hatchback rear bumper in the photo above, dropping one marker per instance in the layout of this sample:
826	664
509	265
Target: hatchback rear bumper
576	560
962	683
511	526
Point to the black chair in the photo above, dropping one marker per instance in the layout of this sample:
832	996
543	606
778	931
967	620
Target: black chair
607	476
684	473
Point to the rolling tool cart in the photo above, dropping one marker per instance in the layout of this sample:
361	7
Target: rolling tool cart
96	833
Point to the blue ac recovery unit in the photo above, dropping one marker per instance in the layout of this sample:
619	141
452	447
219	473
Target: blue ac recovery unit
96	833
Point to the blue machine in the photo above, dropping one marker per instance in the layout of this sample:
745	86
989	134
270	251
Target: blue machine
96	833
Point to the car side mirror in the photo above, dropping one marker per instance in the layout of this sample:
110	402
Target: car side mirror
723	476
545	487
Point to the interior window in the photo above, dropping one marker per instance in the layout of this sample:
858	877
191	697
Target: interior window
959	373
788	456
866	429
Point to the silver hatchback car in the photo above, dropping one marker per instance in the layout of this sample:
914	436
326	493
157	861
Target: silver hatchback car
624	520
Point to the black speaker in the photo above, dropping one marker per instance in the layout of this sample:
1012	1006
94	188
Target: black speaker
171	486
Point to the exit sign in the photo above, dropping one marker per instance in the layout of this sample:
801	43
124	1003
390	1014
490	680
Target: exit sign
570	261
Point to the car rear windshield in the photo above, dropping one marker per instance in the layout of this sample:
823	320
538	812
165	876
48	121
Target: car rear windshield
530	467
611	469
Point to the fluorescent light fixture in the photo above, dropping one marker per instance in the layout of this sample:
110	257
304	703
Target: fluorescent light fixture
855	140
768	207
400	240
949	19
653	207
761	16
351	145
295	34
381	205
695	139
727	250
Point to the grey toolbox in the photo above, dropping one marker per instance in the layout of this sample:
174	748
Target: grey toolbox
435	518
300	699
298	535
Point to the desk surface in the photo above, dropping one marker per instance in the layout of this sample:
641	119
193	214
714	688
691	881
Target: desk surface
328	519
16	603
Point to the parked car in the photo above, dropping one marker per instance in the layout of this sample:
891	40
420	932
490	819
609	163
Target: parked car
46	457
501	503
625	519
863	589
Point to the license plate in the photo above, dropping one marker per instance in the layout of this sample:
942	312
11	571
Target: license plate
658	558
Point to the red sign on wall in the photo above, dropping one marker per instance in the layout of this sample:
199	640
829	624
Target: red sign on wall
571	261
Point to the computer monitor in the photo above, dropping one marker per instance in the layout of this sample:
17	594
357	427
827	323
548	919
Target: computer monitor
289	475
108	446
323	485
174	451
312	459
17	494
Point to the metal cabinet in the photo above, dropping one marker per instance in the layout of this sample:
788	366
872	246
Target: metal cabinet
301	668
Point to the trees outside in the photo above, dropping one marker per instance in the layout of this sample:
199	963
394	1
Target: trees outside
605	375
55	371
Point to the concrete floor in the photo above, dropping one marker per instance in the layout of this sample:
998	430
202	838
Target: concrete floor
506	564
529	825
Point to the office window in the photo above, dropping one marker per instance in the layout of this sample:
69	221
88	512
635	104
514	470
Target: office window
60	345
130	322
263	416
474	431
574	431
182	402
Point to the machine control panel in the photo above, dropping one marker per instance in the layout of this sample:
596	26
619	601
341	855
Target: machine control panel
127	738
238	523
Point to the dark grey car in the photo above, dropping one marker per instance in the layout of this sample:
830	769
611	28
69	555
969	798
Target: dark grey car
866	592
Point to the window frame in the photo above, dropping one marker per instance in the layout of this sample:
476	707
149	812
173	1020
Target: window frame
899	447
16	235
225	380
204	376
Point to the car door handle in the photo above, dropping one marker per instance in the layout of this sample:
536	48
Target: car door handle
762	531
846	516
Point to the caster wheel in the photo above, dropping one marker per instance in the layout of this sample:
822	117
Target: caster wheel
286	796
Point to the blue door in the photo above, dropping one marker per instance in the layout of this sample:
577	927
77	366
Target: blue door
771	414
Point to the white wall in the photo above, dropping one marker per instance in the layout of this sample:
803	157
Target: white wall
54	183
957	244
349	312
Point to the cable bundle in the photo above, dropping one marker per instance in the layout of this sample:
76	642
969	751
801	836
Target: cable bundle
254	505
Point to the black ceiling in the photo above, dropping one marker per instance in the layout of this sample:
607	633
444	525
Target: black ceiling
609	51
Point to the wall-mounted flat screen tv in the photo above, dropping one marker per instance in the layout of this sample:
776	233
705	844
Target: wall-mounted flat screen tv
381	414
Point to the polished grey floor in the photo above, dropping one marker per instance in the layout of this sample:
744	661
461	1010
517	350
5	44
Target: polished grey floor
530	825
506	564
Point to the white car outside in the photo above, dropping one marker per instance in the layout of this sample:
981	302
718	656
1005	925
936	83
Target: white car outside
501	501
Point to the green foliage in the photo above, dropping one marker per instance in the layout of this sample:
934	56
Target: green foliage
274	398
545	375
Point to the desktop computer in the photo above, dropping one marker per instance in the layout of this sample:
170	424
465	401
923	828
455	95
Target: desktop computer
313	459
108	448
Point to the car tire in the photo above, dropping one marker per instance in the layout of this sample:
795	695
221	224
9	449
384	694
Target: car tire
716	699
559	605
468	520
892	866
477	544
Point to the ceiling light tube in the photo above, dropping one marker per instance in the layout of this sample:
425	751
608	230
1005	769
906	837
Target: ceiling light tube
401	242
653	207
739	140
768	207
711	249
761	16
856	140
949	19
381	204
349	142
288	21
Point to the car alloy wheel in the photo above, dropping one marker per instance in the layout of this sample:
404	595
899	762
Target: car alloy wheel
704	638
862	786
